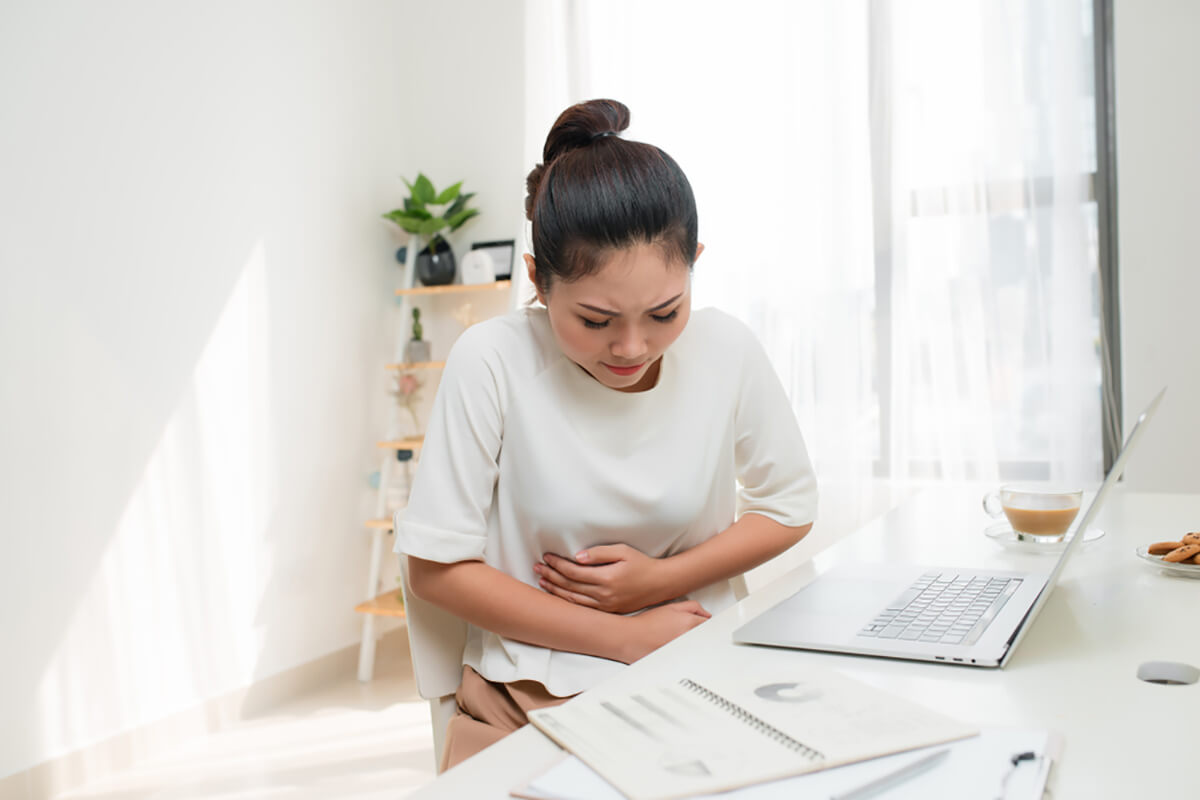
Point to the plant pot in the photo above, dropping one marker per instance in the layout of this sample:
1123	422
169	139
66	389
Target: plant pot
417	351
436	268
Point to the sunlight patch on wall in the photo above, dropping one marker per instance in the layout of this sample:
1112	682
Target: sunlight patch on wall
169	617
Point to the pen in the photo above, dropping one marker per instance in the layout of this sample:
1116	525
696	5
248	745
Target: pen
885	782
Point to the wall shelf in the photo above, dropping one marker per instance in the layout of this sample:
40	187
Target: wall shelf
412	443
417	365
387	604
452	288
379	524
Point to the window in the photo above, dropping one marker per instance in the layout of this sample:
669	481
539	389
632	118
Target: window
902	200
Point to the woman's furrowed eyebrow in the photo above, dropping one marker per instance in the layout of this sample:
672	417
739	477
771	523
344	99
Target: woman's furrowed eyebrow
608	313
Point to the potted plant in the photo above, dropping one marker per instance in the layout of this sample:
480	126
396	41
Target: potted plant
417	349
427	213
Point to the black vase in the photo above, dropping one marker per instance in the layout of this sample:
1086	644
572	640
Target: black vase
436	268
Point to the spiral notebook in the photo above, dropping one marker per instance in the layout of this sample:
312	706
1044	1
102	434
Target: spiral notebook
708	734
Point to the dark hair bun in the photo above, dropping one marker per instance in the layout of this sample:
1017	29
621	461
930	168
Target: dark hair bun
578	126
595	192
582	124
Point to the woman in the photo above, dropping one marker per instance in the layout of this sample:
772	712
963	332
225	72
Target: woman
579	482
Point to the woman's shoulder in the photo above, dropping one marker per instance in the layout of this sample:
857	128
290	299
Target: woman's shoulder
512	341
712	328
721	349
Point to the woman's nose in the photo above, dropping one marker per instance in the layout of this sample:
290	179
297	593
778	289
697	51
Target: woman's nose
630	345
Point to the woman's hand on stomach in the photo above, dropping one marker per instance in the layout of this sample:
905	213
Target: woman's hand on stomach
615	578
654	628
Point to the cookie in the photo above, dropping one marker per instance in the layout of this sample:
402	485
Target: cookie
1196	558
1181	554
1191	538
1162	548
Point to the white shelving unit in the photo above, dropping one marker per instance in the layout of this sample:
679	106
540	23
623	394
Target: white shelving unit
381	602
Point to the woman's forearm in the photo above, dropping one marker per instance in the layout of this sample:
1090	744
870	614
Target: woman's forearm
753	540
497	602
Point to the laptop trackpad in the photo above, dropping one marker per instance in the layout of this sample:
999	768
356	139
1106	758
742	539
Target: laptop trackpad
833	608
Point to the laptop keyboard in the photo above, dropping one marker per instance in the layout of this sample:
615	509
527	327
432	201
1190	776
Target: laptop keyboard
943	607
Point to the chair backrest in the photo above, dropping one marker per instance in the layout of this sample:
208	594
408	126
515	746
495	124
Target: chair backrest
436	639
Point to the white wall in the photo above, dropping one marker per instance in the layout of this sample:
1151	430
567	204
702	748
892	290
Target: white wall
463	107
1158	173
194	305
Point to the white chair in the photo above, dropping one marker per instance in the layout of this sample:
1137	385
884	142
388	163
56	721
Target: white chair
436	640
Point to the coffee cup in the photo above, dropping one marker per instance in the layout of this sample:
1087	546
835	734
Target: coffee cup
1035	514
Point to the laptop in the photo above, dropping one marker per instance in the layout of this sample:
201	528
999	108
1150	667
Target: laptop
891	610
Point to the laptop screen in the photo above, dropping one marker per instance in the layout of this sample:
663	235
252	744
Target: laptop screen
1114	474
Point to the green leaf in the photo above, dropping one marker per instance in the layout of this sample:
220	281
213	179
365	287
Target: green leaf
458	204
458	219
404	221
449	194
416	215
423	191
413	205
432	226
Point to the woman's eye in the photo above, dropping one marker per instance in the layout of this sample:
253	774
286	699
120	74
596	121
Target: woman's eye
666	317
593	324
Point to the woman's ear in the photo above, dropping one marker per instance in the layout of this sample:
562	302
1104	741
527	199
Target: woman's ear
699	250
530	266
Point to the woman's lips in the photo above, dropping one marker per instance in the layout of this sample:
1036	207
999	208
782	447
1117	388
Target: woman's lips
624	371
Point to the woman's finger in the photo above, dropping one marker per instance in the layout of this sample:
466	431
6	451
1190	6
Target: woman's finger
555	577
568	568
573	597
603	554
692	607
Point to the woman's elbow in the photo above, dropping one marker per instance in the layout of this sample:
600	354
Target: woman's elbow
422	577
801	532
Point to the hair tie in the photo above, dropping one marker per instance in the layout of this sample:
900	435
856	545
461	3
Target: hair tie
601	135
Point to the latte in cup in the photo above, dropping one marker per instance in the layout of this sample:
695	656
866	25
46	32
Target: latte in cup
1035	513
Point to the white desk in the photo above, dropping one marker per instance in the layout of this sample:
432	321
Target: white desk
1075	671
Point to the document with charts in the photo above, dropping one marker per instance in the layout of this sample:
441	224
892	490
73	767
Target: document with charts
687	737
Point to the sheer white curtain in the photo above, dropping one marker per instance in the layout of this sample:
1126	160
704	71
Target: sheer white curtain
995	365
895	197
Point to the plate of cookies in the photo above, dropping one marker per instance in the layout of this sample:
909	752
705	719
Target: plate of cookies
1181	557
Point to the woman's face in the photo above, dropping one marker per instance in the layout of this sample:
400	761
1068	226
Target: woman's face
617	322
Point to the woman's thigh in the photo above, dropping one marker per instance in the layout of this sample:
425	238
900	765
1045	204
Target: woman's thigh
487	712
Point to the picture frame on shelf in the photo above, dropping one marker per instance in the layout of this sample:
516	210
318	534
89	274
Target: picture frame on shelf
501	253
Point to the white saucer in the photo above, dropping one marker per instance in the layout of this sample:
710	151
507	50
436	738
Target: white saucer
1005	536
1188	570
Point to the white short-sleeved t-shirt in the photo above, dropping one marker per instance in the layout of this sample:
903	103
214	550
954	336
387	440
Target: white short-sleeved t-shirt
526	453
